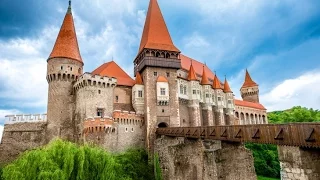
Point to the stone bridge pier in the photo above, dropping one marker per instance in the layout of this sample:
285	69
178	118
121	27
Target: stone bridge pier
299	163
195	159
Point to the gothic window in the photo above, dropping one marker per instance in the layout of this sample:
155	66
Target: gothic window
100	112
163	91
181	89
155	74
140	94
185	90
157	54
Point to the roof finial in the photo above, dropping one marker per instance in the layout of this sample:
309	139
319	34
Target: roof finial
69	8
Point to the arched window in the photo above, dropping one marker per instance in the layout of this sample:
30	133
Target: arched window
157	54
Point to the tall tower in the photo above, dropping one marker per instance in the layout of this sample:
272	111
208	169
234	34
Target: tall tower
158	61
64	66
250	89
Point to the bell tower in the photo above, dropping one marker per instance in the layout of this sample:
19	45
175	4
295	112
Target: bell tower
250	89
64	66
157	61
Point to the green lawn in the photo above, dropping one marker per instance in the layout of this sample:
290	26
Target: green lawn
266	178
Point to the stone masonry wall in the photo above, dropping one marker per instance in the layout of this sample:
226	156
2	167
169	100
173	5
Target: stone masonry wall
19	137
298	163
124	95
186	159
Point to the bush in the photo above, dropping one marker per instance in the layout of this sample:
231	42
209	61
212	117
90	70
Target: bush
65	160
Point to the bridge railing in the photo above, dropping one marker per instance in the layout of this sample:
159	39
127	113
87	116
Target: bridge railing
295	134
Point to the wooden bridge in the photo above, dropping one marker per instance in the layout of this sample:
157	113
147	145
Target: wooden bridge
293	134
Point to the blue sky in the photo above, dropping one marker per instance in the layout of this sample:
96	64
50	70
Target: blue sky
278	41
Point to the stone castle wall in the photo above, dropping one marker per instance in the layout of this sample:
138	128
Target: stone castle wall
186	159
20	137
123	98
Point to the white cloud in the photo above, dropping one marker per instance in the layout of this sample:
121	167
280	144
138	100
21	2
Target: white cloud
300	91
3	113
1	132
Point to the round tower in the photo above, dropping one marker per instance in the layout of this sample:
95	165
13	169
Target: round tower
64	66
250	89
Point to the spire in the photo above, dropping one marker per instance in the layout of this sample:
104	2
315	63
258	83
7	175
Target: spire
66	45
204	80
139	79
248	82
192	74
155	33
226	88
216	83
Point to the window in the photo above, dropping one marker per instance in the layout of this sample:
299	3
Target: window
207	95
163	110
229	102
185	90
198	92
168	74
163	91
100	112
155	74
71	69
131	129
117	98
99	91
140	94
219	98
194	91
126	129
181	89
61	67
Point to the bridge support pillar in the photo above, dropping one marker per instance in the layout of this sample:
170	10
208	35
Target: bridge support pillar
299	163
194	113
196	159
207	116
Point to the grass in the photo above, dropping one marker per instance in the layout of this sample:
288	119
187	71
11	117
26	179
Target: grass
266	178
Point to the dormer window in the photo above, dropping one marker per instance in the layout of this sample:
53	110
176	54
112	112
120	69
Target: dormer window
163	91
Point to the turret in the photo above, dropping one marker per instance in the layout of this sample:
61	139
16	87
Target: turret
63	68
138	95
250	89
194	91
206	86
219	98
229	100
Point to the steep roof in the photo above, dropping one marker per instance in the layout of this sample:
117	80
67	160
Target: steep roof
216	83
227	88
192	75
204	80
66	45
112	69
249	104
162	79
155	33
197	66
138	79
248	82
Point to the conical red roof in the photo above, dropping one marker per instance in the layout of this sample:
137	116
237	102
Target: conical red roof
192	74
112	69
139	79
248	82
216	83
227	88
66	45
205	80
155	33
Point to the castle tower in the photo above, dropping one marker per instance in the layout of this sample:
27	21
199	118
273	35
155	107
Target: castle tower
250	89
229	100
219	96
138	95
194	100
207	115
64	66
158	56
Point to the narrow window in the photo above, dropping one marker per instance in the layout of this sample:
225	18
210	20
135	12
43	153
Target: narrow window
229	102
155	74
117	98
181	89
61	67
131	129
207	95
71	69
126	129
163	91
99	91
168	74
194	92
140	94
185	90
198	92
163	110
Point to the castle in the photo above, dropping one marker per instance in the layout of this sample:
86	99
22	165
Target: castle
109	108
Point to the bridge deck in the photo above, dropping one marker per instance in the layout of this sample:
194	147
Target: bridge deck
294	134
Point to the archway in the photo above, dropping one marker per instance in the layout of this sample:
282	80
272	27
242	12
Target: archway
162	125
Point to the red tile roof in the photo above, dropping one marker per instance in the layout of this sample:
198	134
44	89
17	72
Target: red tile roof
155	33
226	88
66	45
198	66
112	69
216	83
204	80
138	79
248	82
162	79
249	104
192	75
